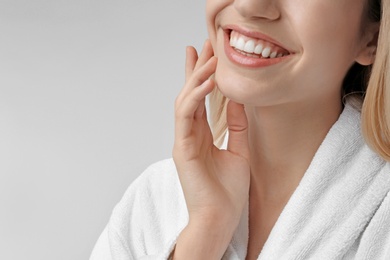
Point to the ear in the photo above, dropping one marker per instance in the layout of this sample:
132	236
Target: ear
367	53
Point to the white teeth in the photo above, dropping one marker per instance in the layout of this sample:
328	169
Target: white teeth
258	49
240	44
252	46
266	52
249	46
233	41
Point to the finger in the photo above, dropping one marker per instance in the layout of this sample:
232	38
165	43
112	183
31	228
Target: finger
197	79
191	58
203	74
185	113
205	55
238	129
201	110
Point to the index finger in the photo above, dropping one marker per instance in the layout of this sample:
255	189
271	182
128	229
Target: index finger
191	59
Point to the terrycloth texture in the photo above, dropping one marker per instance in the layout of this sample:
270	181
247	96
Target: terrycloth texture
340	210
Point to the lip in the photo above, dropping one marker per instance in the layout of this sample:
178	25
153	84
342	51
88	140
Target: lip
247	61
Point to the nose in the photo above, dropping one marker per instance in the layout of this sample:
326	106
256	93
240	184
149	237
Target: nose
258	9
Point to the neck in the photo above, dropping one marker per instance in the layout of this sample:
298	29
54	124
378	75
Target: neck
283	140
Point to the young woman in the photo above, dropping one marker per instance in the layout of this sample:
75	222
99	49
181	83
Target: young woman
297	179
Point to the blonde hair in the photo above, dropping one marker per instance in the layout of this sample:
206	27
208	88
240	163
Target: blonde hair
218	104
376	106
376	92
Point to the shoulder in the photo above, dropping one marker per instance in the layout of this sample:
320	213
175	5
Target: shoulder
156	191
152	211
375	241
159	178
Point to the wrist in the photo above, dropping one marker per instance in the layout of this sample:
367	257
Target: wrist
204	240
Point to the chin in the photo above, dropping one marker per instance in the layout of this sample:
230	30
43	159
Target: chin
246	91
239	94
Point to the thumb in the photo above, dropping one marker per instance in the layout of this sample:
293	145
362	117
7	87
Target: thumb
238	129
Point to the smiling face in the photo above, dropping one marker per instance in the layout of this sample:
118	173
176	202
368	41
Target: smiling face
273	52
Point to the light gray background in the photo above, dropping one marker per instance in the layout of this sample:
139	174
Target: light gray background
87	89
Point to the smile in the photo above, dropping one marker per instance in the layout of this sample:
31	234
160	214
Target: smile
252	49
255	47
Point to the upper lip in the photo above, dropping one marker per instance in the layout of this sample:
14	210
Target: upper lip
254	34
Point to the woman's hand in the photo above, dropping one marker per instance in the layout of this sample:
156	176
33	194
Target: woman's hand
215	182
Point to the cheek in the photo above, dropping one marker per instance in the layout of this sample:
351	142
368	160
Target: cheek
330	42
210	18
330	28
214	8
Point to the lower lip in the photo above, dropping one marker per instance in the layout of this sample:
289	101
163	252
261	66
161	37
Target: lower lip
247	61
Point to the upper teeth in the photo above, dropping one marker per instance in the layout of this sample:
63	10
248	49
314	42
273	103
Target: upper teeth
253	46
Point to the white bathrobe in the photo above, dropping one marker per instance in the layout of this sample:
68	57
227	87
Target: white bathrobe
340	210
